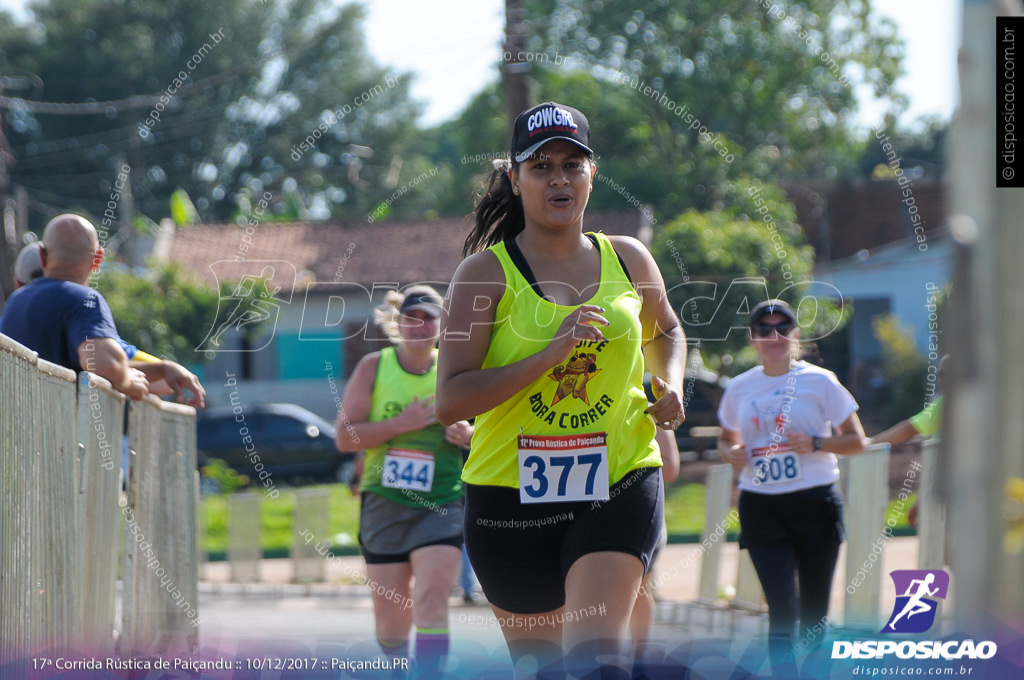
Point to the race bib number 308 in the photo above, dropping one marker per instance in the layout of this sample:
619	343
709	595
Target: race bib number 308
775	466
563	468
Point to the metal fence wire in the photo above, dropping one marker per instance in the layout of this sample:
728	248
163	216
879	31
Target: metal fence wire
63	518
161	570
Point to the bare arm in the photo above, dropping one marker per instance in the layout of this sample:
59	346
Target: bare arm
669	455
354	431
175	378
897	434
664	344
105	358
851	439
464	388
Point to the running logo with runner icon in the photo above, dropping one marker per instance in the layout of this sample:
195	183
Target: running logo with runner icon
917	595
254	300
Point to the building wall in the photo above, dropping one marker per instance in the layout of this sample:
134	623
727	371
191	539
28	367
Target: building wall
905	280
840	220
306	356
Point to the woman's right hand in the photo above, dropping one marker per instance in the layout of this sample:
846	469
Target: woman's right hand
357	473
417	415
736	456
577	326
459	433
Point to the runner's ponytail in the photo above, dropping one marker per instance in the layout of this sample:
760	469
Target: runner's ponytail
498	215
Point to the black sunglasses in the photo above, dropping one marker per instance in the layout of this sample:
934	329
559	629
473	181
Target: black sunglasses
764	330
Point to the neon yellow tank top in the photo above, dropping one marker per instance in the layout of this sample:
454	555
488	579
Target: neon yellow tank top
419	469
598	389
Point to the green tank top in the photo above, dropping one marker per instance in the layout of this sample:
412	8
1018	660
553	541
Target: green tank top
418	469
598	389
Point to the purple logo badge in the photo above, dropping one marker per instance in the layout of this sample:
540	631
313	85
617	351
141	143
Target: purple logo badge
917	592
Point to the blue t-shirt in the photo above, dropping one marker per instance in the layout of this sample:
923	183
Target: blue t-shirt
130	350
53	317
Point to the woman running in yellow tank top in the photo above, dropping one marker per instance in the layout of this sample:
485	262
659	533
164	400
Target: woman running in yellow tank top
547	336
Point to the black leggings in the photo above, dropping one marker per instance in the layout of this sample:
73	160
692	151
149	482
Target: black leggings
794	541
813	566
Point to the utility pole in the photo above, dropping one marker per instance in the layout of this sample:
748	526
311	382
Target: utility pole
9	242
515	68
126	207
6	159
983	433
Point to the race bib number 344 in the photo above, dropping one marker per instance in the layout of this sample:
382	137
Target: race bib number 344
405	469
563	468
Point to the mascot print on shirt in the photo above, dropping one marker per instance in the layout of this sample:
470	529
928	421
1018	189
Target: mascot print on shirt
573	376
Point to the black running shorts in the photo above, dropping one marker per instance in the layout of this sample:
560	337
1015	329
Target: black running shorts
522	553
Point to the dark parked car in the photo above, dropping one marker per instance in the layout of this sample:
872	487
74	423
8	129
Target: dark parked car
290	441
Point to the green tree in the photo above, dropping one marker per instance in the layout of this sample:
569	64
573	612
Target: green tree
270	75
465	149
921	152
772	83
719	264
80	51
630	148
322	119
165	312
905	368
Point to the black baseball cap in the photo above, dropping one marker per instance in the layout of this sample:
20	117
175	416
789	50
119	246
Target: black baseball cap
775	306
424	299
544	122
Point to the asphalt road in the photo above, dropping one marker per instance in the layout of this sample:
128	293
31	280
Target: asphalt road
260	630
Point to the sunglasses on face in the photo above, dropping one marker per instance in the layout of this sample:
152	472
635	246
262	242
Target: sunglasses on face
765	330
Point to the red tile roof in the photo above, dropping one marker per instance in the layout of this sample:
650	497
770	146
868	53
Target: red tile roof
350	252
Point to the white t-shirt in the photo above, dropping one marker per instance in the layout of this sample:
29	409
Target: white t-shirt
763	408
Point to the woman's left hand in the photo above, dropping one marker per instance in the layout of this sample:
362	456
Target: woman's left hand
667	411
800	442
459	433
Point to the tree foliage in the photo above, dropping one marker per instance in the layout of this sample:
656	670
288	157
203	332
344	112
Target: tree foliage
166	312
78	51
260	79
685	98
322	119
762	73
718	264
693	106
903	366
920	153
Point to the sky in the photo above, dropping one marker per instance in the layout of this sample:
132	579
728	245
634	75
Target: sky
453	46
456	65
